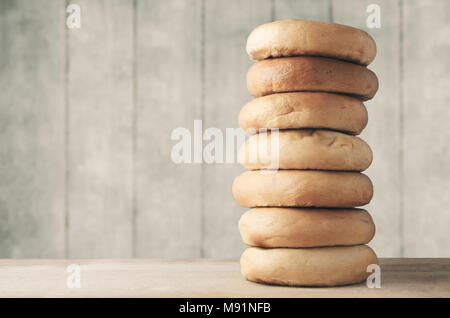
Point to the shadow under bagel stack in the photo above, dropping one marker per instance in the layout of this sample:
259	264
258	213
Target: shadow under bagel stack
309	81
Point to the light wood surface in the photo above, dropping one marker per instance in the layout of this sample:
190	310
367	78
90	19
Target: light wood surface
32	129
383	129
204	278
225	93
426	109
168	95
100	131
315	10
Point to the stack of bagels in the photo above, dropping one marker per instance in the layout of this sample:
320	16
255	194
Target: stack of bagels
309	82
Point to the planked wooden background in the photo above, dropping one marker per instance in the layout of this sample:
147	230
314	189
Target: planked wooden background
86	116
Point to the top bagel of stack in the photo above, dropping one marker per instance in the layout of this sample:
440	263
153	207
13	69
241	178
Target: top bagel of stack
309	81
299	38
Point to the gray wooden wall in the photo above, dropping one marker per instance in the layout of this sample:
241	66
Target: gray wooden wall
86	116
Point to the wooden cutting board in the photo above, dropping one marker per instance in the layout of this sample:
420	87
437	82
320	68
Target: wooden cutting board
423	277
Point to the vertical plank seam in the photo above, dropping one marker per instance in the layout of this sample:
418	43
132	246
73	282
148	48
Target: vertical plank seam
401	129
330	10
272	10
66	136
202	111
134	210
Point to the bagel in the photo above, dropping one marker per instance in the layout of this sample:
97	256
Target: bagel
319	266
307	73
305	227
304	110
305	149
302	188
296	37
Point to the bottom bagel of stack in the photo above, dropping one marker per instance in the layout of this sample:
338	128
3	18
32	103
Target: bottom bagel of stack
303	229
320	266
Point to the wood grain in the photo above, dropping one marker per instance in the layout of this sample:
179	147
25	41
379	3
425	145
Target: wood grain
315	10
204	278
32	129
100	131
227	26
168	75
426	134
383	131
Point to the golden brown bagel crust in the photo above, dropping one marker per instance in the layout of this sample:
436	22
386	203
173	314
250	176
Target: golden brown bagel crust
297	37
302	188
305	149
305	227
304	110
319	266
307	73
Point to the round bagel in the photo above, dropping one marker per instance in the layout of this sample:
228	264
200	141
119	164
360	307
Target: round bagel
296	37
306	73
305	227
320	266
302	188
305	149
304	110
